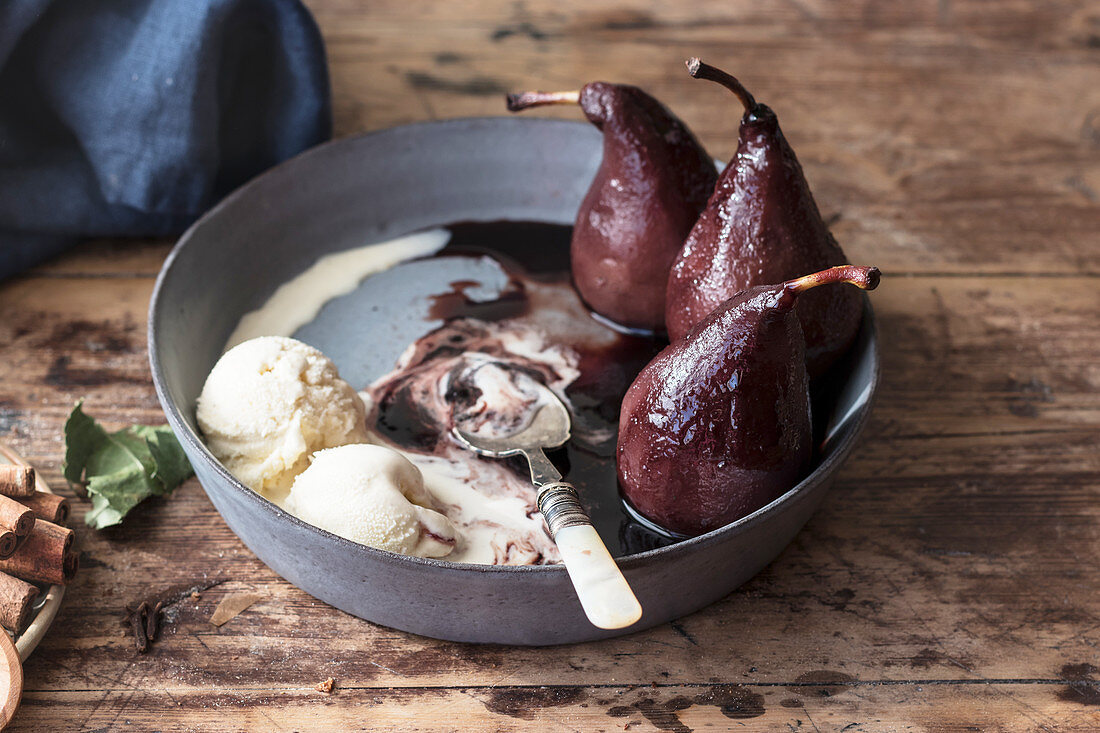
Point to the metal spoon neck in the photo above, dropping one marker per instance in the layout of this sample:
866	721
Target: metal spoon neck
542	470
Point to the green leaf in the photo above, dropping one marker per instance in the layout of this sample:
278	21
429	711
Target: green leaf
173	467
129	453
121	469
83	436
113	497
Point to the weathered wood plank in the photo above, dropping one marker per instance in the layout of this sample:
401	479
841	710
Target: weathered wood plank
119	258
805	706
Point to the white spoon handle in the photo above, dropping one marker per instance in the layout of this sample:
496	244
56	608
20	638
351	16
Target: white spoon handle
604	594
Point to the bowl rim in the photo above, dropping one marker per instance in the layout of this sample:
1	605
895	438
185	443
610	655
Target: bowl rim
174	413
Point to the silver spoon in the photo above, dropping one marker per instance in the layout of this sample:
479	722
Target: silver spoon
604	594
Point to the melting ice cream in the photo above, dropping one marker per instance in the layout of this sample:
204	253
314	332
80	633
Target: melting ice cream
269	404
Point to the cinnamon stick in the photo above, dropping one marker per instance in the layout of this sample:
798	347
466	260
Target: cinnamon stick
9	543
16	480
45	556
16	517
50	507
16	599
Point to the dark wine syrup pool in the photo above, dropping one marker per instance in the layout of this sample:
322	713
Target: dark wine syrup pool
535	256
535	259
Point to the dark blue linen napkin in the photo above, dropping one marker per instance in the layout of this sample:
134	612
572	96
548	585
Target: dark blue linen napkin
132	117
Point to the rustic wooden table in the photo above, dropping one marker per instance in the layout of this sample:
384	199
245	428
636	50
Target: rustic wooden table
951	580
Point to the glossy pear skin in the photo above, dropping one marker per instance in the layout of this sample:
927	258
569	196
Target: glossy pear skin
654	180
718	424
763	226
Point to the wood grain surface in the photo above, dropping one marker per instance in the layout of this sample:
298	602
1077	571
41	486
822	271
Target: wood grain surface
950	582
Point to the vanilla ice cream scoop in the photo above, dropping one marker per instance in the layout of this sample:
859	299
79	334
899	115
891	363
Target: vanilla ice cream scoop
269	404
372	495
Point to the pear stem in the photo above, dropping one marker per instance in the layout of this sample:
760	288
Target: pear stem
526	100
865	278
700	70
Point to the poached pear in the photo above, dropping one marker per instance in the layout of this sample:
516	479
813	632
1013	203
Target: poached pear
761	226
652	182
718	424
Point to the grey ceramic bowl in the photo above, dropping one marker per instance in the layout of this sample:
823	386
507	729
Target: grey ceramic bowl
370	188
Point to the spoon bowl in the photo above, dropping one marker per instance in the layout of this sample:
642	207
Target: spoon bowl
549	428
